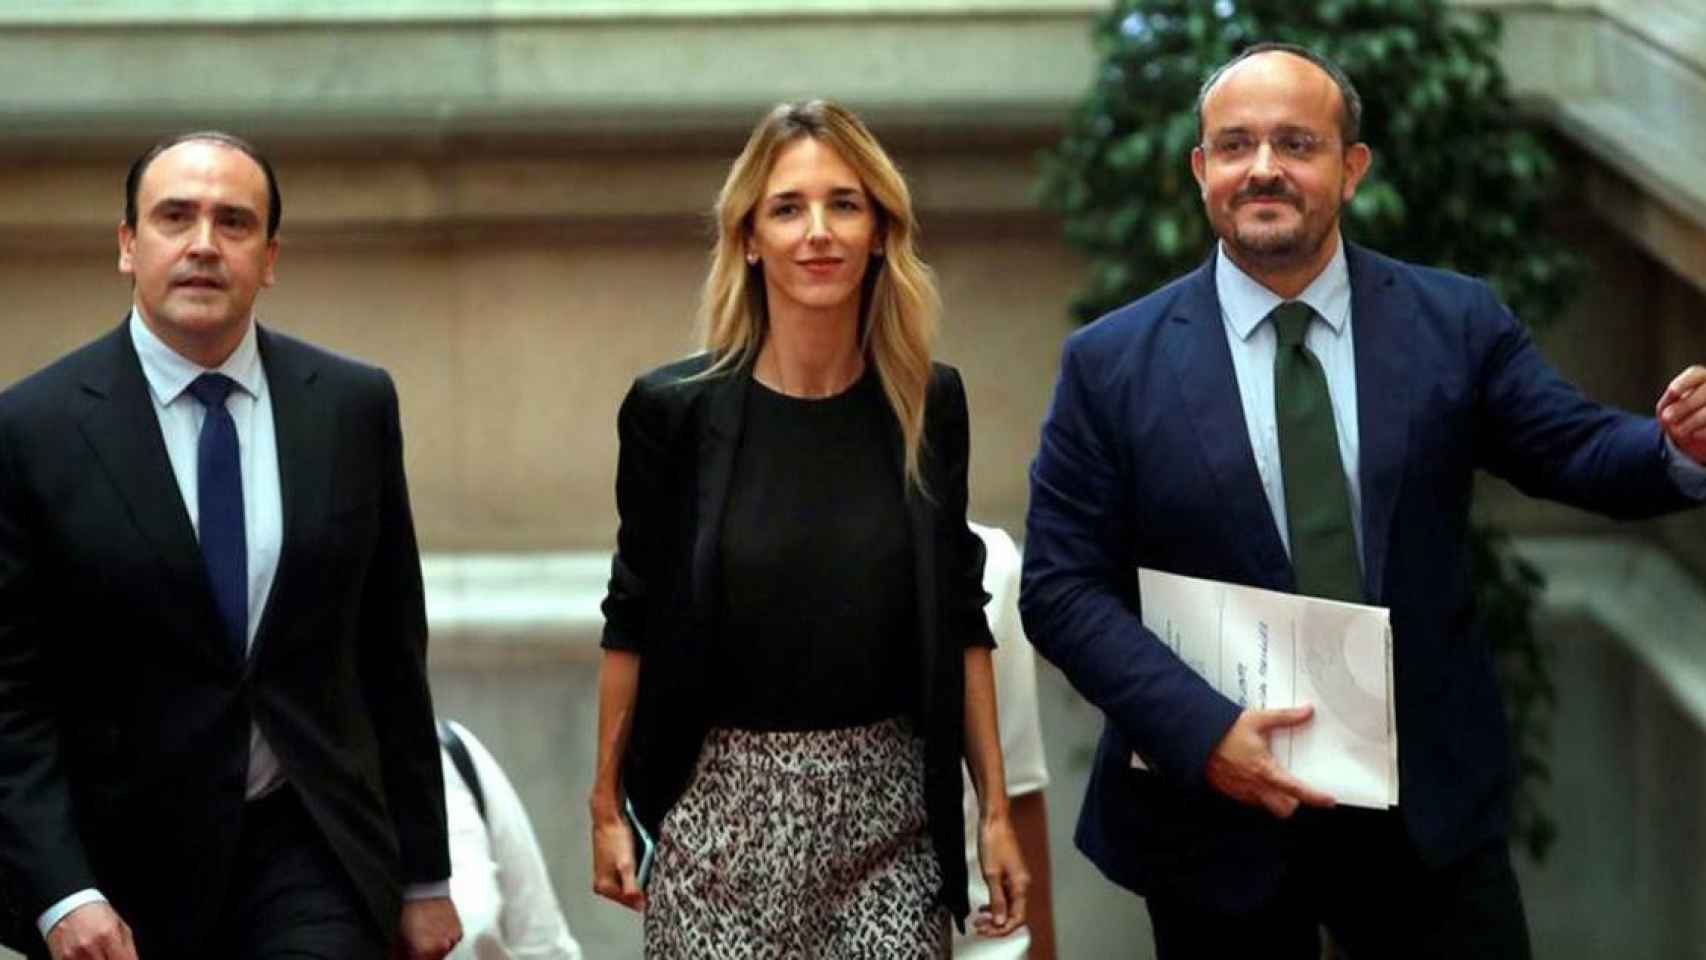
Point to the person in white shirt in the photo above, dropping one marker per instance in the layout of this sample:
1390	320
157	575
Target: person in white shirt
498	880
1022	752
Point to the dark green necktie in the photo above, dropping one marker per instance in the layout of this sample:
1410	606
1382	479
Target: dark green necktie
1317	503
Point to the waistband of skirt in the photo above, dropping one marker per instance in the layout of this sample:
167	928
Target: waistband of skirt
884	743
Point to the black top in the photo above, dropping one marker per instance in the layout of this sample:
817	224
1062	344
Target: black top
819	626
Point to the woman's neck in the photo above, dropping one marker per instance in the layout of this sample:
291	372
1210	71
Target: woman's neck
810	355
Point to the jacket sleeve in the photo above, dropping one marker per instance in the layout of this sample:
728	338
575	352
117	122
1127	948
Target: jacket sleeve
1536	430
964	566
641	470
40	847
1078	593
394	667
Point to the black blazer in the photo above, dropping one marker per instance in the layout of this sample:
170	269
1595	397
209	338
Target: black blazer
679	435
125	715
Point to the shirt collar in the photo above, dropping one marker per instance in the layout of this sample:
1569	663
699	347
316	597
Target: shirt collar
1245	303
169	373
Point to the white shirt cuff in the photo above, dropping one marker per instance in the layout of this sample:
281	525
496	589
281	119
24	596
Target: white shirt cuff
52	915
1689	477
427	891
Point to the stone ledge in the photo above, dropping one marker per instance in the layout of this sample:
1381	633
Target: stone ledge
1630	87
1675	26
91	13
1641	595
515	609
585	77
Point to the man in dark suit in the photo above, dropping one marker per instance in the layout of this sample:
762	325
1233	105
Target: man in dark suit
1305	415
216	738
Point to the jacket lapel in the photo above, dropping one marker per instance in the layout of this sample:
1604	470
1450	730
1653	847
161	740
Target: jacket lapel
719	438
1381	313
119	422
921	521
1195	340
304	427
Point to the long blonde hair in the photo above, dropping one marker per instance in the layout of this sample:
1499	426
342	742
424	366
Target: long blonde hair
899	304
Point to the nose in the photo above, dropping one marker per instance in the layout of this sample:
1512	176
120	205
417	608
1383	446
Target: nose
201	240
817	227
1264	164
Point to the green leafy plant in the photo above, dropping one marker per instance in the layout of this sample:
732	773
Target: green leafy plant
1458	182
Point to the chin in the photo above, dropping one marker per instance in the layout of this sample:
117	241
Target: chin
820	299
1263	245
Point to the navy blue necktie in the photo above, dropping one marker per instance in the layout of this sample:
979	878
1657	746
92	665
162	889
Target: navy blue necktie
219	494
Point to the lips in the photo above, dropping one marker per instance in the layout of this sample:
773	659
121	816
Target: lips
199	283
821	265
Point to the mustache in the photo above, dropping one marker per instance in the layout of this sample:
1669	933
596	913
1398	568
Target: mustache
1266	190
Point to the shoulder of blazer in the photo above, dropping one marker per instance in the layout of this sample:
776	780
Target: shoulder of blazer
1102	348
287	356
1453	300
94	366
679	379
666	396
946	393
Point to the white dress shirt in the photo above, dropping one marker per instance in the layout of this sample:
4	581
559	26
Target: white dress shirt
498	880
181	415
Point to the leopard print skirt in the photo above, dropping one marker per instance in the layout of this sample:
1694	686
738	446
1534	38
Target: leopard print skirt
799	845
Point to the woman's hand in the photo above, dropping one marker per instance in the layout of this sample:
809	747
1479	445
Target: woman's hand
613	858
1004	871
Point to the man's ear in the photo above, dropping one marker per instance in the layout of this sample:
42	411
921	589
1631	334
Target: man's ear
1199	169
272	258
126	249
1358	158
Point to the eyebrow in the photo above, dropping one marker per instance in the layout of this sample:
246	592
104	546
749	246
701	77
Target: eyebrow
837	193
181	203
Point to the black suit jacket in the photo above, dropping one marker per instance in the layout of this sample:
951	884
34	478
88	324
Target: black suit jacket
679	435
124	713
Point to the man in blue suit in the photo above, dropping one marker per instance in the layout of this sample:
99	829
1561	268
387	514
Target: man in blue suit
1305	415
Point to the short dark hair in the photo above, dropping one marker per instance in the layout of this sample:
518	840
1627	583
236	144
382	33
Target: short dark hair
133	179
1350	112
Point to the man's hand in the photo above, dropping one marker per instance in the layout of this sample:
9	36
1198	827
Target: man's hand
1682	412
1242	768
429	929
93	931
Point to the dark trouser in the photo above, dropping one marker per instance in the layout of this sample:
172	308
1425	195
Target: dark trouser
1355	873
291	898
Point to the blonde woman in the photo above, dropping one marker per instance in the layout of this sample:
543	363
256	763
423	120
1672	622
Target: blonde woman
796	657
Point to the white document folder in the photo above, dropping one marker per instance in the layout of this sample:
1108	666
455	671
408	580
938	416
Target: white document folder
1267	650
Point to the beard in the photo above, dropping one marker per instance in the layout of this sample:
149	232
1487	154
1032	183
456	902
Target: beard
1272	244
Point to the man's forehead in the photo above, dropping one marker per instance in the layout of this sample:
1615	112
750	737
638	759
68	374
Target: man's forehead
1271	81
200	161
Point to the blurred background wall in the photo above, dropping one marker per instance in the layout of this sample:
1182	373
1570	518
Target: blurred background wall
504	203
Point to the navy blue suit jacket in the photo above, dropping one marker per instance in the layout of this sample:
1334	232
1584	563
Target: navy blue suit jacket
1145	460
